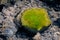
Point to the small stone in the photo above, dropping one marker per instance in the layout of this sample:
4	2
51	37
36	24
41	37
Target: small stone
8	32
54	28
37	36
56	36
57	33
19	3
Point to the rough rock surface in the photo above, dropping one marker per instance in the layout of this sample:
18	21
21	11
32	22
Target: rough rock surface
10	29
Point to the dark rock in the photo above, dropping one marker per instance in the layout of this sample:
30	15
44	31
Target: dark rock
58	20
12	2
1	7
0	25
53	3
2	37
23	33
57	7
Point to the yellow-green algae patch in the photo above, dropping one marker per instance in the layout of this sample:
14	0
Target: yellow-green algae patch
35	18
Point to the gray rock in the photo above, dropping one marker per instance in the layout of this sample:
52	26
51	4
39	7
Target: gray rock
8	32
1	19
1	39
8	24
56	36
37	36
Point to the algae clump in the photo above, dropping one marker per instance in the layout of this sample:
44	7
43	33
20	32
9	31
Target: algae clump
35	18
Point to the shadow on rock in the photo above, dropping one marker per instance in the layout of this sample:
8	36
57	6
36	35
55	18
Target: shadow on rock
2	37
44	29
57	22
55	4
24	33
1	7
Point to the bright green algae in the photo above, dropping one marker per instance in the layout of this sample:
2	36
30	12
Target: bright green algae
35	18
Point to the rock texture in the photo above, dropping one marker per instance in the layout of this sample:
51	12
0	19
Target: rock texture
10	29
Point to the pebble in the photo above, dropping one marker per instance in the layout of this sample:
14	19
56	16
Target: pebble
56	36
8	32
37	36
